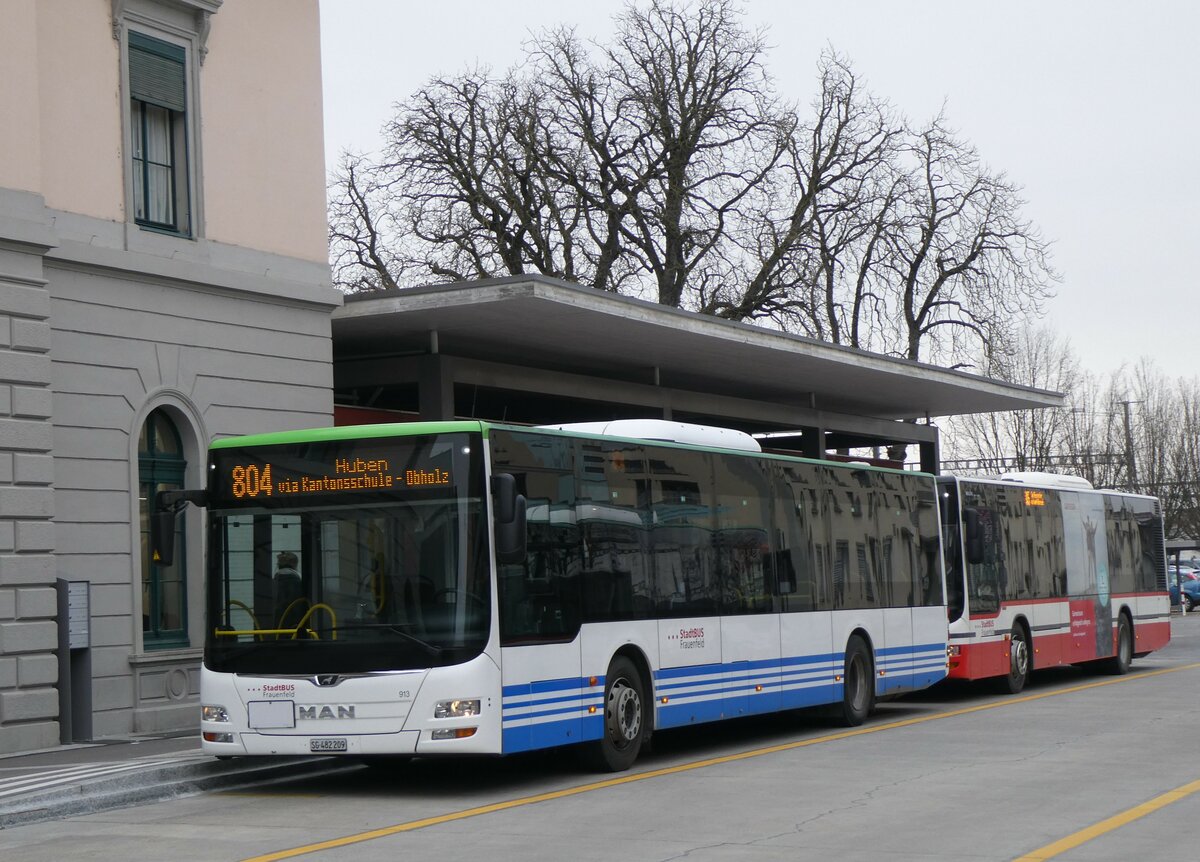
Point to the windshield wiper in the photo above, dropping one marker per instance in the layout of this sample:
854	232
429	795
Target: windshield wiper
394	628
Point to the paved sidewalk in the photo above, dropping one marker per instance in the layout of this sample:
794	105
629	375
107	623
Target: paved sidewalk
85	778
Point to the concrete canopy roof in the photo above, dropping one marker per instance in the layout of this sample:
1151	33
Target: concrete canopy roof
541	322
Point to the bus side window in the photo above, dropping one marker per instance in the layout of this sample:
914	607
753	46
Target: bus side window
796	511
986	576
745	566
682	505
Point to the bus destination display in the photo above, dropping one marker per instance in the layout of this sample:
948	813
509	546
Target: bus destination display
279	474
250	480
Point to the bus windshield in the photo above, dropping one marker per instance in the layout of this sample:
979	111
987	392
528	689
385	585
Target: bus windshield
347	556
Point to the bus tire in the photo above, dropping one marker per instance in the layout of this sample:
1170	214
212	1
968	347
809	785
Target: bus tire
1119	663
858	683
624	718
1019	661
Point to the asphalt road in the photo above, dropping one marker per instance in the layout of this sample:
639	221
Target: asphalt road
1081	766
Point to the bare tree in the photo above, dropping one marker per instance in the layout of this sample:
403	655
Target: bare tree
1025	439
1137	431
1156	417
661	164
677	125
815	224
965	262
362	228
1185	460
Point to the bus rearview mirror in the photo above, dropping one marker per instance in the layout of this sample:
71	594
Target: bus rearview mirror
510	534
972	536
504	497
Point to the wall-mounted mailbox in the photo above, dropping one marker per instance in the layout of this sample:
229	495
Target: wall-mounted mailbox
79	614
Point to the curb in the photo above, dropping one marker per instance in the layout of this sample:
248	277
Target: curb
158	783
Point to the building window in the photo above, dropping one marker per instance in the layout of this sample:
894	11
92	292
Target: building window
164	588
158	134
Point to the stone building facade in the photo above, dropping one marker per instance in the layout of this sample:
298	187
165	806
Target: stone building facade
164	281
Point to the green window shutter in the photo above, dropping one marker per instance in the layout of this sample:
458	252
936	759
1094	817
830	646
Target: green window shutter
156	72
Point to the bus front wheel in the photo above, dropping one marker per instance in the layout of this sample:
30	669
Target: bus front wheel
624	718
858	683
1018	661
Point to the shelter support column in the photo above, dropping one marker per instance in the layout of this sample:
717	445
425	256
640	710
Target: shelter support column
930	458
812	442
435	388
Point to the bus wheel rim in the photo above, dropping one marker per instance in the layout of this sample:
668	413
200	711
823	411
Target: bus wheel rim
624	714
1020	654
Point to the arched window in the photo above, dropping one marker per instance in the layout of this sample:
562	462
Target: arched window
164	588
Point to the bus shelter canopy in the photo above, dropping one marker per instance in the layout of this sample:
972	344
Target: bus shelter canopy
540	350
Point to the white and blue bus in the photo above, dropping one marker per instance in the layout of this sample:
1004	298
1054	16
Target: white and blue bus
471	588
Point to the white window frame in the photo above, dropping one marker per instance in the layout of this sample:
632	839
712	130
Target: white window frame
183	23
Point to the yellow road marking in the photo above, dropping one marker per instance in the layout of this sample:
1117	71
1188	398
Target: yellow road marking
1115	822
371	835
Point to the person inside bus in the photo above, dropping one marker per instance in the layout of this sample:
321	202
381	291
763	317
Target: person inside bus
288	587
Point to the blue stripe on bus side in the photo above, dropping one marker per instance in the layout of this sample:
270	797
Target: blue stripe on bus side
548	685
704	693
550	734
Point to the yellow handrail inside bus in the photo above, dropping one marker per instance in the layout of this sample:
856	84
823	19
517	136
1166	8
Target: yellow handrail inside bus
281	632
234	603
283	616
311	611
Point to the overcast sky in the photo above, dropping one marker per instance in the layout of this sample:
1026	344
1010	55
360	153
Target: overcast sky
1090	105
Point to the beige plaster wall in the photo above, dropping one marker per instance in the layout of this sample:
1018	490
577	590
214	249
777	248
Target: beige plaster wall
81	139
261	160
262	134
20	165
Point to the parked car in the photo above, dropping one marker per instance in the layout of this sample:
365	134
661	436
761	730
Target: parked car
1176	577
1190	594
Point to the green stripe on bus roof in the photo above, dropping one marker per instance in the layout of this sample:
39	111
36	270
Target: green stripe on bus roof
409	429
345	432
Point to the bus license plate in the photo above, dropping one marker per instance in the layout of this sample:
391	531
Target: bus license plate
331	744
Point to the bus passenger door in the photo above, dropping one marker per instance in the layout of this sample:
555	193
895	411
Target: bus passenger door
749	630
540	615
746	577
543	695
894	668
891	562
544	692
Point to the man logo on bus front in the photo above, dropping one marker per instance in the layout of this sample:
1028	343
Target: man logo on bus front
327	679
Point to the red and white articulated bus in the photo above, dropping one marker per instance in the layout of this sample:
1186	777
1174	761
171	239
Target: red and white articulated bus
1043	570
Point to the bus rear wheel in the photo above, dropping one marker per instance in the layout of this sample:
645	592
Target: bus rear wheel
1018	661
624	719
858	683
1119	663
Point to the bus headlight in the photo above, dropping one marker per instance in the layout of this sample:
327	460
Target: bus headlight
456	708
213	713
